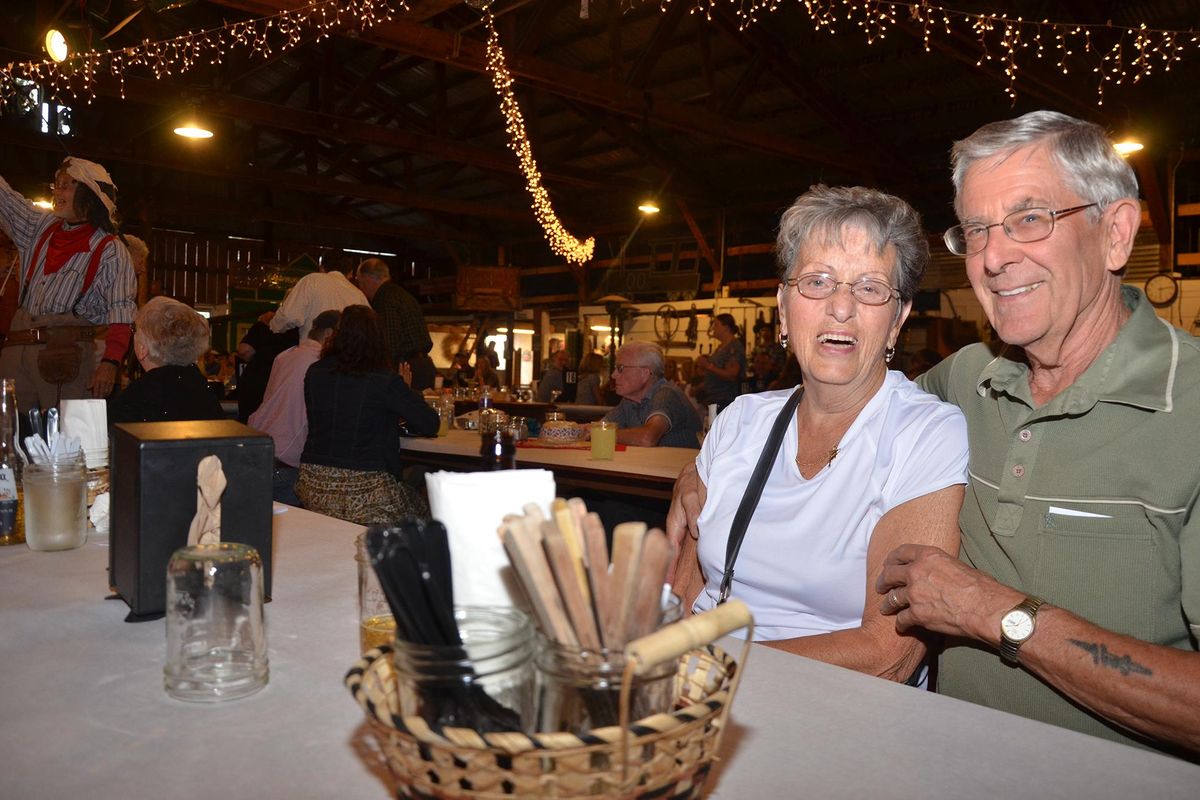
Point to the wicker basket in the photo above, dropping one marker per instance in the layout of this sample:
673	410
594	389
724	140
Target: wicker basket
665	755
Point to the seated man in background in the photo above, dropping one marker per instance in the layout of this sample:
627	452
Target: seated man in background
282	413
653	411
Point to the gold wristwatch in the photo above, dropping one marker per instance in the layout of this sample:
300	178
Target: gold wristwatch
1017	626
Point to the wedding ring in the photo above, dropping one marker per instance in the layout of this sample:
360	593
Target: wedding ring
894	600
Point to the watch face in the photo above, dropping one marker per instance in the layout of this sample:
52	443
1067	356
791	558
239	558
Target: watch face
1017	625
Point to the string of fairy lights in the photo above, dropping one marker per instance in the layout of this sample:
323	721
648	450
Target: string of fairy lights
1115	54
560	240
76	77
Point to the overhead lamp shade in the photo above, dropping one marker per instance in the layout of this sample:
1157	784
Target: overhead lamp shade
56	45
192	129
1128	147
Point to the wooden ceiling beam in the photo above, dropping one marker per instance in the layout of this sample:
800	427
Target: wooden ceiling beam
103	151
271	115
470	54
668	21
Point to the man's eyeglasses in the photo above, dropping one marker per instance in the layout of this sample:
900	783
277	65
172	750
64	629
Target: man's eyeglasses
619	368
1024	226
820	285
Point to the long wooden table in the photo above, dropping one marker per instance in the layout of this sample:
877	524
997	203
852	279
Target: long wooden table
642	471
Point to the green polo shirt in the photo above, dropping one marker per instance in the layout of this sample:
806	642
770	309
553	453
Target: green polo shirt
1089	501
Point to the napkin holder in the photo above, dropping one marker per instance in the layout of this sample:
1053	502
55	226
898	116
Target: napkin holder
154	499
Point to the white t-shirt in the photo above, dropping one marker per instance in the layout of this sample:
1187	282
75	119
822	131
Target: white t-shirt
802	567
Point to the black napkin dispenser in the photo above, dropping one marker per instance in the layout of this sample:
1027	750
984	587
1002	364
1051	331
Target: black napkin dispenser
153	484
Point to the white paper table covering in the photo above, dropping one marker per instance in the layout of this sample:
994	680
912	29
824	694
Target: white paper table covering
472	505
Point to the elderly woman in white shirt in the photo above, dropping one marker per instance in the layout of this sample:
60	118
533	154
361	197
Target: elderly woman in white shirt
867	461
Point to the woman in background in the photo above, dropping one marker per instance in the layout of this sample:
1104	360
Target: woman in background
169	339
350	467
589	390
725	369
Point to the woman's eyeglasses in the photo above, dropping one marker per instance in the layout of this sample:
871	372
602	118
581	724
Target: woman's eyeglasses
821	285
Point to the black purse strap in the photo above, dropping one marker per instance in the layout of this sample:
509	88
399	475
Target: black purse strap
754	489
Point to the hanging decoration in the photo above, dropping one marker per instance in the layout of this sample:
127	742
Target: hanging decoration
561	241
1115	54
77	76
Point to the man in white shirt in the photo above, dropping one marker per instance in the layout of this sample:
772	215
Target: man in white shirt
312	294
282	413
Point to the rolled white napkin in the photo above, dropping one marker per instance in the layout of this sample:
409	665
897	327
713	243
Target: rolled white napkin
472	505
87	420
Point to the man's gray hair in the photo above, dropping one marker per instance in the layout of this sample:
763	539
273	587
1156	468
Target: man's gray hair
647	354
375	267
1091	167
172	332
821	216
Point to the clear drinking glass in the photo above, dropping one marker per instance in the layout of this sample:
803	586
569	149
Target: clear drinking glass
216	637
376	625
56	503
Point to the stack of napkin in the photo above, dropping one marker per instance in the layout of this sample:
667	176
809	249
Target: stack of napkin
472	506
87	420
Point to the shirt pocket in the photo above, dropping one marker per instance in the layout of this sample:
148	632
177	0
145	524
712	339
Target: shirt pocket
1103	569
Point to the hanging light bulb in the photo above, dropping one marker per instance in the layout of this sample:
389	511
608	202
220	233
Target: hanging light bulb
56	45
648	207
1127	147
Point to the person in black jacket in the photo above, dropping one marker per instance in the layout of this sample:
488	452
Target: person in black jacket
168	339
350	465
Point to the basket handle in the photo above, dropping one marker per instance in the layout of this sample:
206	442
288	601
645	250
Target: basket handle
674	640
671	643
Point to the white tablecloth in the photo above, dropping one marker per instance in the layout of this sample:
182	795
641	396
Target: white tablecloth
83	713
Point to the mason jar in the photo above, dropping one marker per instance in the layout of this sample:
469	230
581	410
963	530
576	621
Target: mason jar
487	684
56	503
580	689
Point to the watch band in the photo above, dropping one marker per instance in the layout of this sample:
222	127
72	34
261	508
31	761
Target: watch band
1009	647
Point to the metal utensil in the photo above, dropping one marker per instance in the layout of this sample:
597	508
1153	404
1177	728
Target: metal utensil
51	423
35	421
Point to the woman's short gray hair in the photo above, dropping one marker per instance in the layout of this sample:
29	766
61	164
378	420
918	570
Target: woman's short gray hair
1091	167
172	332
823	214
648	354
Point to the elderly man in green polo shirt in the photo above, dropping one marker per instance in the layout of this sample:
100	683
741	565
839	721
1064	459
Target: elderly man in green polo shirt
1076	597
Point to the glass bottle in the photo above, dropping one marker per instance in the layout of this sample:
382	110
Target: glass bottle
12	522
497	450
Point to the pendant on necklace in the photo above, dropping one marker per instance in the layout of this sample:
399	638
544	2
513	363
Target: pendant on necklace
822	464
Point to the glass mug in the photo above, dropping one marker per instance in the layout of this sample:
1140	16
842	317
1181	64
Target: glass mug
216	635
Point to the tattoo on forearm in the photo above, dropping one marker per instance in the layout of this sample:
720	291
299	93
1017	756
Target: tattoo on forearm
1101	657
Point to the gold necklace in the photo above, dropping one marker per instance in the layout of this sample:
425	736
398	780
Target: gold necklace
822	464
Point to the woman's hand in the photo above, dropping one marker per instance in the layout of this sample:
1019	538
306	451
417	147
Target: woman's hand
405	371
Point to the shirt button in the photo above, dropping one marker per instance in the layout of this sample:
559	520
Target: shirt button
1025	435
1018	471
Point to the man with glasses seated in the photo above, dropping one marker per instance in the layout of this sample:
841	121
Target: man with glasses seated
653	411
1080	560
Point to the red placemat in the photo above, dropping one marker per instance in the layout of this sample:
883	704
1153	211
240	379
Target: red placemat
538	445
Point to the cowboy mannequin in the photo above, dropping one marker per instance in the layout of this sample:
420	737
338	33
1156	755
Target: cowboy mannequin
78	289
